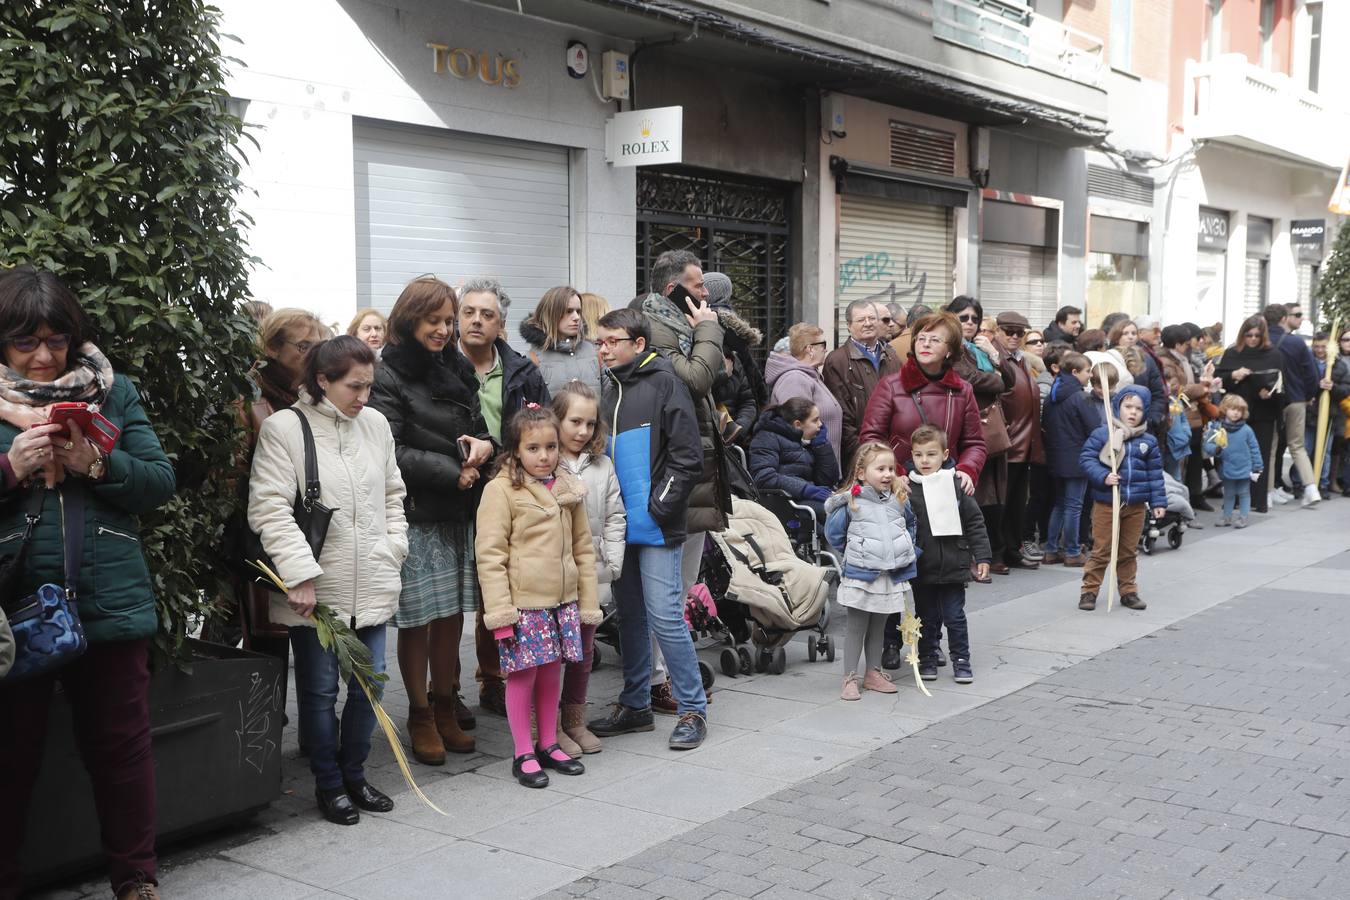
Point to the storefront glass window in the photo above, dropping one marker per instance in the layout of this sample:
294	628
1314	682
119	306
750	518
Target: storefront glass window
1117	282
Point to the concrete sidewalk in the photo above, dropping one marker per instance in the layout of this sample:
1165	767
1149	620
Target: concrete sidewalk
768	734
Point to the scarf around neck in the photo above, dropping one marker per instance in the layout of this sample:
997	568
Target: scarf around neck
1121	434
24	402
664	310
940	501
982	360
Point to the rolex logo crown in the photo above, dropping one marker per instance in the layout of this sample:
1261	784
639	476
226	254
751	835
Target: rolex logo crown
646	127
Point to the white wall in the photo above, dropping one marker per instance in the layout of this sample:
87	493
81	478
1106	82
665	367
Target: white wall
314	65
1244	184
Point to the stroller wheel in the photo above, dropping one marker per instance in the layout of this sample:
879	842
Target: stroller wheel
1146	546
730	662
778	665
829	648
1174	537
747	661
595	657
762	660
810	649
706	673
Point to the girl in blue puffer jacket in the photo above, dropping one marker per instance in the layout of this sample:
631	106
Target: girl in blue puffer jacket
1230	441
870	521
1139	474
791	452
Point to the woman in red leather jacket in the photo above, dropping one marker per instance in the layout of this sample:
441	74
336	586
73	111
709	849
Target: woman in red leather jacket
927	391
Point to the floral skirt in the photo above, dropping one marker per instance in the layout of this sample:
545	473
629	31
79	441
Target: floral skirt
543	636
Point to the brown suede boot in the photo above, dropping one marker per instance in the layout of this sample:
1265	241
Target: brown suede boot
568	745
426	743
455	739
574	726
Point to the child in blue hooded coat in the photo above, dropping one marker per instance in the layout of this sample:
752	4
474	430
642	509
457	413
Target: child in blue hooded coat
1139	473
1230	441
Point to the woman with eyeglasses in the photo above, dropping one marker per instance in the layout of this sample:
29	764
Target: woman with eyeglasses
988	371
50	356
1252	368
796	373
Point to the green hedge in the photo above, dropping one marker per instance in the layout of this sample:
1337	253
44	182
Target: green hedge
119	171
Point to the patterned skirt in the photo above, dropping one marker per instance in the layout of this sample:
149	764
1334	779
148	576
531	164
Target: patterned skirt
542	636
439	575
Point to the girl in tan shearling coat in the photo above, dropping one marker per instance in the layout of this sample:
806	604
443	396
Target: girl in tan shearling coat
536	568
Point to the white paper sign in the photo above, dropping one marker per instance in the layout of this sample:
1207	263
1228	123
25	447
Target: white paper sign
645	137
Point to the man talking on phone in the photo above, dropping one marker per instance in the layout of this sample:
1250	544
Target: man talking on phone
686	331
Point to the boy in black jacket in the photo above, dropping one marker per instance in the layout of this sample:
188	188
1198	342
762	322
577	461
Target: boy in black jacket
658	458
951	537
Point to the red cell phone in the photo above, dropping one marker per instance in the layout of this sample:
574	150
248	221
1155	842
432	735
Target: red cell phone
96	428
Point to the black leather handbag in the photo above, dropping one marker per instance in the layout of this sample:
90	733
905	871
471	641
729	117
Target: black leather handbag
311	515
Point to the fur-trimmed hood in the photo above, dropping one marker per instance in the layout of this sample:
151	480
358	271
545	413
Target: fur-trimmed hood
731	321
535	336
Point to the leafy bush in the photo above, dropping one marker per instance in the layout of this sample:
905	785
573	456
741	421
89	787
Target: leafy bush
118	172
1333	289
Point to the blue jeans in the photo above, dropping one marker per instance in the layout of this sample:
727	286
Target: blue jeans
1239	491
335	755
1066	517
650	594
939	606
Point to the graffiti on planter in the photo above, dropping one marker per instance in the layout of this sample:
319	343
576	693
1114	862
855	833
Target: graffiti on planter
255	722
906	282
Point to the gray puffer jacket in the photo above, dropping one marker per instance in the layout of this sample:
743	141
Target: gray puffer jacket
604	512
573	359
875	533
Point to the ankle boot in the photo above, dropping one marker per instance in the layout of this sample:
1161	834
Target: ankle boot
447	724
426	743
569	746
574	726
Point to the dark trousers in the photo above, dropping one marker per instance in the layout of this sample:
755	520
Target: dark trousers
108	692
1265	437
1040	500
939	606
1195	466
1009	547
993	527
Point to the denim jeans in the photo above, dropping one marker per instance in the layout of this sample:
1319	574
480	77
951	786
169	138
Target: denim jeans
335	755
1237	491
939	606
650	594
1066	517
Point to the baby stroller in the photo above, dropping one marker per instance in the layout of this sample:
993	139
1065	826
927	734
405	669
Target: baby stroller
1176	522
758	577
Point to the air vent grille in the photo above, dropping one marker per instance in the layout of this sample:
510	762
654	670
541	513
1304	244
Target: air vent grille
923	149
1104	181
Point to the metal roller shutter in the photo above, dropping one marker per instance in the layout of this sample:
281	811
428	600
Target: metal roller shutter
893	251
1254	289
459	206
1019	278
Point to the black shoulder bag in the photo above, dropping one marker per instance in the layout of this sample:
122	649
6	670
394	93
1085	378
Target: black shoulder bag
311	515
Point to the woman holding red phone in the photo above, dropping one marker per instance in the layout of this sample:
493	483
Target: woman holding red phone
49	358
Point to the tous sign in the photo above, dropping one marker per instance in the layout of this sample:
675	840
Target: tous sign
464	64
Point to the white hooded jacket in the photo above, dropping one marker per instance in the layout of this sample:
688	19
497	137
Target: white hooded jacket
359	572
604	512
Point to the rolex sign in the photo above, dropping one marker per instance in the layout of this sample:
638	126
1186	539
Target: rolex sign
645	137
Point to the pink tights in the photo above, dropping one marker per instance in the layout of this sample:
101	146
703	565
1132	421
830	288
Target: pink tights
536	689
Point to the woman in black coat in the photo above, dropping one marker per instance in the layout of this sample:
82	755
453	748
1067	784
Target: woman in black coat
1251	369
791	452
429	393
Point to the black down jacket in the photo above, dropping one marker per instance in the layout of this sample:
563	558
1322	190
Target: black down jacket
779	461
947	559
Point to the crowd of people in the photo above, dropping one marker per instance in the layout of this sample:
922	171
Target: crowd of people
522	495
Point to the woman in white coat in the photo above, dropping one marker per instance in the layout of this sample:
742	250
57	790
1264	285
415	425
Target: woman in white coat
358	572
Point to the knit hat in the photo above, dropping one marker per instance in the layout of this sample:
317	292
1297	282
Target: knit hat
1135	390
718	287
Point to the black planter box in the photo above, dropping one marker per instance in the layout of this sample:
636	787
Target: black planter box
217	748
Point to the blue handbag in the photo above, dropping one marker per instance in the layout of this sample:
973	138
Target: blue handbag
46	624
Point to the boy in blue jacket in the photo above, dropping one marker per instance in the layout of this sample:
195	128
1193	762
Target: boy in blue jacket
1069	416
1139	473
1232	444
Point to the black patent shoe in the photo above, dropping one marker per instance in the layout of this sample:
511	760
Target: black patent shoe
336	806
567	766
529	779
369	799
890	658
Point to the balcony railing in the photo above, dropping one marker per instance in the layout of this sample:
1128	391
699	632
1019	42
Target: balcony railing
1013	32
1230	100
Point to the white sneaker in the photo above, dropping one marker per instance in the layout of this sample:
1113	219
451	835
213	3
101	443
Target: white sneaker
1279	497
1032	550
1310	497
